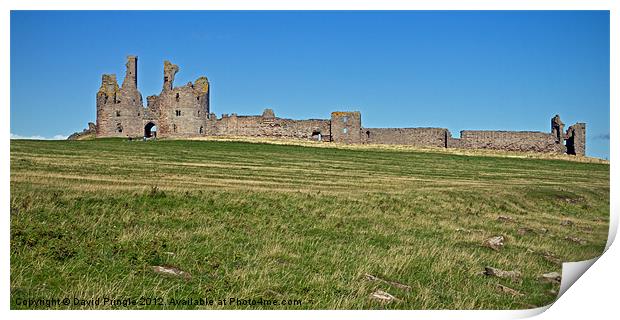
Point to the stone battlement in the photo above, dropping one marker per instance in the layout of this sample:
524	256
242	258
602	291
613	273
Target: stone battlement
183	112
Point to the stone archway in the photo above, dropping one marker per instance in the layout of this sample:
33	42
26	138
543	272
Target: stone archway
150	130
316	135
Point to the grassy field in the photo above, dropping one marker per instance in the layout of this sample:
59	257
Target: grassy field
303	225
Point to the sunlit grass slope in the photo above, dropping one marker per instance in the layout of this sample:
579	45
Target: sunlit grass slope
89	219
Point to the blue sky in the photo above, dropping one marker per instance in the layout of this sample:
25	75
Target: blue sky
510	70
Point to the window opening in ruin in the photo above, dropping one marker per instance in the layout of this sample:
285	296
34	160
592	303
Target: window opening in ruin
344	130
119	128
201	129
174	128
570	144
177	97
368	134
178	113
118	113
197	98
150	130
317	135
345	119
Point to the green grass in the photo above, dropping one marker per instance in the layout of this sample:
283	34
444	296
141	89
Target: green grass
90	218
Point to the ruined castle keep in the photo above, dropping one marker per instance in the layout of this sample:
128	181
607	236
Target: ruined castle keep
183	112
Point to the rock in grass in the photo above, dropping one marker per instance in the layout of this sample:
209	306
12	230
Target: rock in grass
171	271
494	243
566	223
490	271
508	290
383	296
552	277
576	240
505	219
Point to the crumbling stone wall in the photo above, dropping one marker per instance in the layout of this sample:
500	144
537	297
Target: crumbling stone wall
423	137
527	141
268	125
182	112
88	133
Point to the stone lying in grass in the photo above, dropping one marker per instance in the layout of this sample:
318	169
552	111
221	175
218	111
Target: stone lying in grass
576	240
551	277
494	272
508	290
494	243
567	223
383	296
505	219
171	271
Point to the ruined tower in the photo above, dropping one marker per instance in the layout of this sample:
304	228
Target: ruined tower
557	129
181	111
120	110
346	127
573	141
576	139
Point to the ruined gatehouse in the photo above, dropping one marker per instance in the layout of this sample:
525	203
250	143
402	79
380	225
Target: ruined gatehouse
185	111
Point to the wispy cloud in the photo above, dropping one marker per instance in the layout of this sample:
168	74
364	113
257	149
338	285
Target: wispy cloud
56	137
602	136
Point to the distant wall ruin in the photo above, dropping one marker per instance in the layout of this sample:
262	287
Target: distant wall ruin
526	141
185	111
268	125
423	137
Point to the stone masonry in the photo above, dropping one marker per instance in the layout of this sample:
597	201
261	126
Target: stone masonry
184	112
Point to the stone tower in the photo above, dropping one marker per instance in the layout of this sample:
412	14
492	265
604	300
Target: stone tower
180	111
346	127
120	110
557	129
576	139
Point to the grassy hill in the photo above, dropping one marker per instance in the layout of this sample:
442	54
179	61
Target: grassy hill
319	228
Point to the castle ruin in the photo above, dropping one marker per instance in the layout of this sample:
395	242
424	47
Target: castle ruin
183	112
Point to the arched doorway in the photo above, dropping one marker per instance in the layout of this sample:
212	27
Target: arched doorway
316	135
150	130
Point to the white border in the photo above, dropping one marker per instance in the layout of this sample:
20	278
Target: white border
597	291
